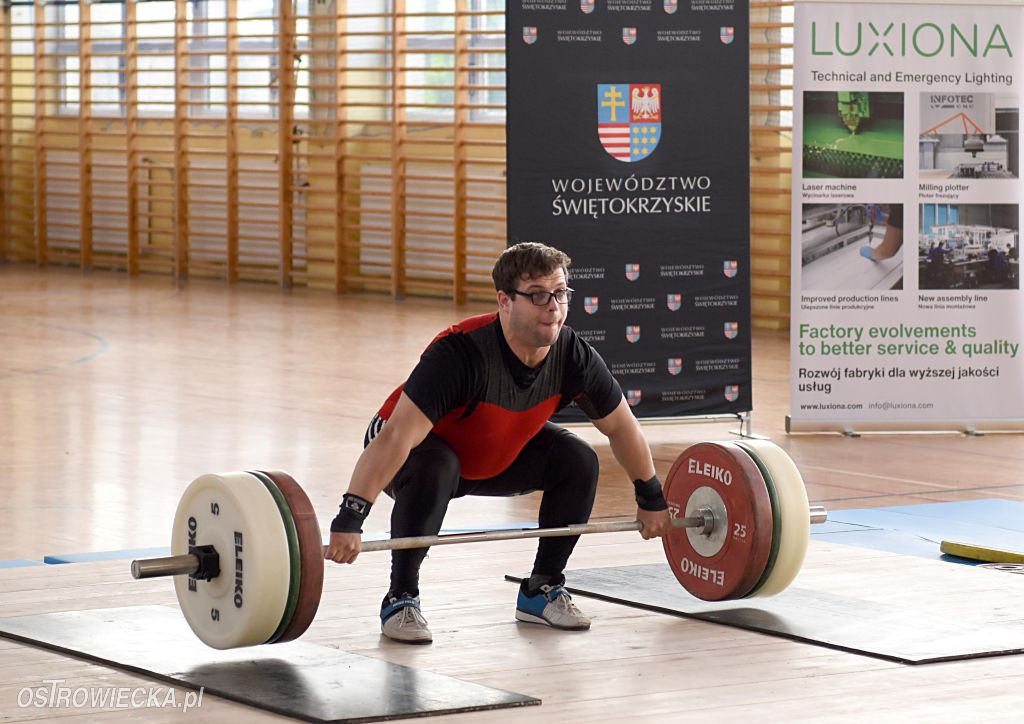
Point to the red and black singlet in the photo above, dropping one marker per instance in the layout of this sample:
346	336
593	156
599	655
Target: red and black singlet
486	404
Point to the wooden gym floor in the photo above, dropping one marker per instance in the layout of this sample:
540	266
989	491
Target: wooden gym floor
116	392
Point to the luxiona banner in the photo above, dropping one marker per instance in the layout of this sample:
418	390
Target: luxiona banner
906	304
628	148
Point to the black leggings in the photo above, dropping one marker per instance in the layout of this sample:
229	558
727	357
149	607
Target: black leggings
554	461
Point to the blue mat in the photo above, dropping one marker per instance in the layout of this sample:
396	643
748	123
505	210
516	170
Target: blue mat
992	512
918	529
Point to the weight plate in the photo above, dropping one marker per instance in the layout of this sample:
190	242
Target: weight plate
312	553
294	558
794	516
773	498
738	564
237	515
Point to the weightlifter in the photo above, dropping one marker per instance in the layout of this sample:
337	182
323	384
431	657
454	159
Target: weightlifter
473	419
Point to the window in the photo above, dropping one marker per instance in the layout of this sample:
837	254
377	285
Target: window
786	57
487	61
107	80
430	60
154	31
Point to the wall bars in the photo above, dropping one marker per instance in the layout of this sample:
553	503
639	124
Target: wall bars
340	144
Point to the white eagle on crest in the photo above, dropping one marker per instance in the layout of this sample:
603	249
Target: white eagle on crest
645	103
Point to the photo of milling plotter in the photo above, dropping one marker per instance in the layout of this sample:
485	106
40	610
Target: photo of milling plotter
969	135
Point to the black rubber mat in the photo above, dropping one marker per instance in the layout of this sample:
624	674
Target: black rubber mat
304	681
859	626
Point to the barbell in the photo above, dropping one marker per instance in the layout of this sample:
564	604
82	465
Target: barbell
248	557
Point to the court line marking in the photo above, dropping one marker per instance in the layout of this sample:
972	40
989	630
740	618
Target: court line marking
104	345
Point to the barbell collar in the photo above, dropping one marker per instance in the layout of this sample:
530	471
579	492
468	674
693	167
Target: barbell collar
189	564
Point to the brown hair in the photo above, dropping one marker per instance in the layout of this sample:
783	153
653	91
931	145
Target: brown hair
529	259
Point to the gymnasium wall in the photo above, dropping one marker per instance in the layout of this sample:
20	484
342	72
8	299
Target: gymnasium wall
160	137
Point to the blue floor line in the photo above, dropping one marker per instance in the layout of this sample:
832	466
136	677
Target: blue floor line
124	554
907	529
89	557
19	563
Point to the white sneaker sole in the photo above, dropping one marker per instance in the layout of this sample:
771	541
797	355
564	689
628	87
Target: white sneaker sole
416	640
530	618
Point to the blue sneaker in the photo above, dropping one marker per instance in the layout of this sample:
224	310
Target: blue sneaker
551	606
401	620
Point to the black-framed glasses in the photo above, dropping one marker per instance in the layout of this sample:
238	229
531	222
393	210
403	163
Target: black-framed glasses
542	299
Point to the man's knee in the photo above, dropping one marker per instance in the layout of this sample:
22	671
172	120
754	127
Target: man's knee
435	469
575	460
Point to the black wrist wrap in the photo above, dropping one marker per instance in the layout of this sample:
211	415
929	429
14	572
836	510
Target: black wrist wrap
351	515
649	495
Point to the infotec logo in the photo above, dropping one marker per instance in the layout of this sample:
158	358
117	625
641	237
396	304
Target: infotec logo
926	40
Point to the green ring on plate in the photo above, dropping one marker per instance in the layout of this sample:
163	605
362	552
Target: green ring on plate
773	496
294	555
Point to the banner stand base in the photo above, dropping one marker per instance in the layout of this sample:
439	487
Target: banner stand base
974	428
745	429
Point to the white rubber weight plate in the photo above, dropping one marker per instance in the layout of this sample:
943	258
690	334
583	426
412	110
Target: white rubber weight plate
794	510
237	515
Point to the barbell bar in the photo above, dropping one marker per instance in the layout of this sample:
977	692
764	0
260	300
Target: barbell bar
189	564
248	561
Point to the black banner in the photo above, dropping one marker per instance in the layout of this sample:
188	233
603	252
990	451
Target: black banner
628	149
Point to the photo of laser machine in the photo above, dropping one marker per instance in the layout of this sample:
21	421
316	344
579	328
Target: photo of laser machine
969	135
855	246
852	134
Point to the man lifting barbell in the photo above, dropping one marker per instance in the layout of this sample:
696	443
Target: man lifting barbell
248	564
473	418
247	552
